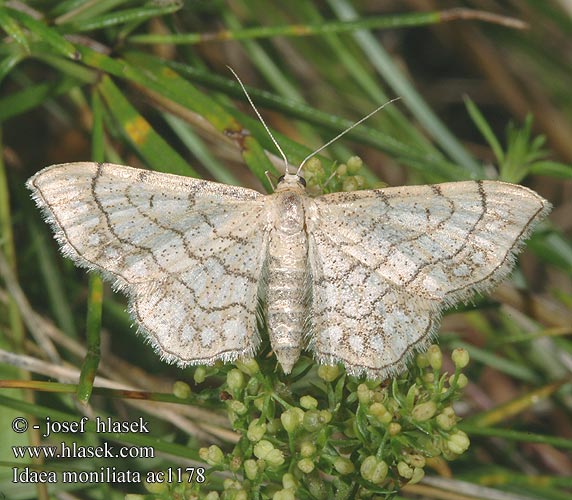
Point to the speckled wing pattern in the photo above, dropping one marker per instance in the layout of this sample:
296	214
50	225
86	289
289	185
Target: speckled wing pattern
188	252
379	265
386	262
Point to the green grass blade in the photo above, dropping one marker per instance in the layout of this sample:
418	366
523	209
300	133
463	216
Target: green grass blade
150	145
379	58
48	35
138	15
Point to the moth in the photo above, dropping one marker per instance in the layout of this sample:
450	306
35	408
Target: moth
358	278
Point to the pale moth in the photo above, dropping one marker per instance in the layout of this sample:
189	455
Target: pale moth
358	278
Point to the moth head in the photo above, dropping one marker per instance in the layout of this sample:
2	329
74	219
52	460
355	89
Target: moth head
289	181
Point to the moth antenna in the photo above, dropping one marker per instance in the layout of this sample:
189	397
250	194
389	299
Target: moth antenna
261	120
344	132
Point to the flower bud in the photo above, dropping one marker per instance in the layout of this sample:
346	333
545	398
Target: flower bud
307	449
373	470
265	451
306	465
458	442
435	357
422	361
364	394
292	419
256	430
342	170
379	411
394	428
424	411
248	366
312	421
462	380
237	407
212	455
200	374
285	494
404	470
181	389
329	373
350	184
418	474
326	416
343	466
314	166
308	402
354	163
460	357
251	469
445	421
289	481
235	380
416	460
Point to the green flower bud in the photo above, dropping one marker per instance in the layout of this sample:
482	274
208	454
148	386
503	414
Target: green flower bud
379	411
308	402
435	357
306	465
314	166
256	430
213	495
285	494
422	361
326	416
307	449
329	373
394	428
350	184
449	411
200	374
354	164
424	411
263	448
458	442
235	463
156	488
312	421
364	394
418	474
460	357
230	484
342	170
462	380
251	469
415	460
289	481
404	470
241	495
212	455
445	421
248	366
360	181
235	380
292	419
181	389
265	451
343	466
428	378
274	426
373	470
237	407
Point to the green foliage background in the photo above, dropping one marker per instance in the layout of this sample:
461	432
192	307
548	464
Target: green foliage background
484	94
